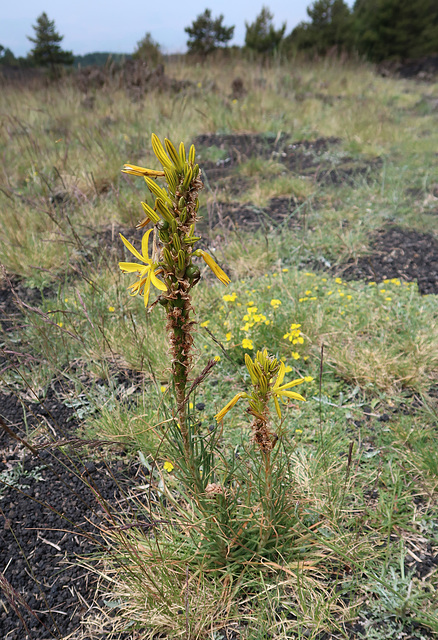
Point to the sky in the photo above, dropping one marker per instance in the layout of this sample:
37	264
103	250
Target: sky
117	25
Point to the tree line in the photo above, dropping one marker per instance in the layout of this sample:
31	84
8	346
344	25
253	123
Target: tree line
375	29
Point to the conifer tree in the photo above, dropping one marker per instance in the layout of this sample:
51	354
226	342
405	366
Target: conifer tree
207	34
261	36
47	51
396	29
331	26
148	50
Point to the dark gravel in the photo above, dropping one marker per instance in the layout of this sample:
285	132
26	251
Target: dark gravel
398	253
47	519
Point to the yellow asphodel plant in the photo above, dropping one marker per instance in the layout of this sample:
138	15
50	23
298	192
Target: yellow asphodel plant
174	218
267	375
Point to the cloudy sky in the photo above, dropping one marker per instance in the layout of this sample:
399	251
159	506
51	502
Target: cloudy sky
117	25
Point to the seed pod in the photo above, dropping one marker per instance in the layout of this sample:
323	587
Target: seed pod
192	272
195	171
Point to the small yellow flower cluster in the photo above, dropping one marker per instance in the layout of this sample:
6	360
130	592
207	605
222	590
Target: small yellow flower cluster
252	317
275	303
294	334
247	344
229	297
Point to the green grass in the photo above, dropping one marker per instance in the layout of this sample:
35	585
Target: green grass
361	454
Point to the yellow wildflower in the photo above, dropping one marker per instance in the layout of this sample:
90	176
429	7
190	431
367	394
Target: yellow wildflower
282	390
275	303
111	309
168	466
219	416
205	323
218	272
145	274
247	344
295	355
133	170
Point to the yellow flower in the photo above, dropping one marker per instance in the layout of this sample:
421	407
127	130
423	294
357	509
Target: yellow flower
217	358
298	431
111	309
205	323
219	416
308	378
133	170
247	344
275	303
145	274
168	466
229	298
295	355
228	336
285	270
220	275
163	389
282	390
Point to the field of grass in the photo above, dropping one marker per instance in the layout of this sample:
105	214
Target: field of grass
344	154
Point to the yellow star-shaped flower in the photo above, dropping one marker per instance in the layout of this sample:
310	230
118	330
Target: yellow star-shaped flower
279	390
145	274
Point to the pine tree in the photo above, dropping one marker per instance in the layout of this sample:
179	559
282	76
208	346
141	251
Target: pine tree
331	26
396	29
148	50
207	34
261	35
47	52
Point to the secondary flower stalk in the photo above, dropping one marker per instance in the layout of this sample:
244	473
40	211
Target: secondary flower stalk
267	374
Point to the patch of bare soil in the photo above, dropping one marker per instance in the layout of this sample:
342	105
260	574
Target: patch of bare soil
248	217
49	515
398	253
321	159
424	69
